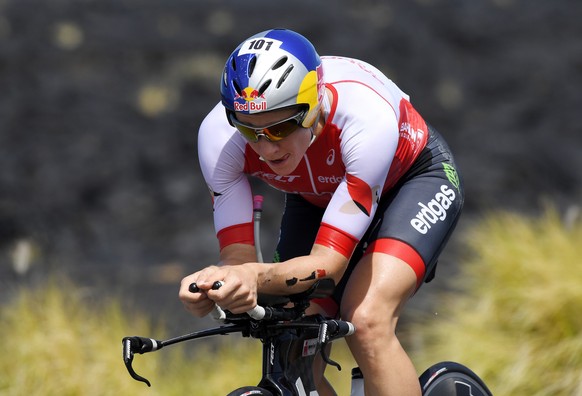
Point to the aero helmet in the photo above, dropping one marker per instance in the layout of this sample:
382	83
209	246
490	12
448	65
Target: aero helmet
273	70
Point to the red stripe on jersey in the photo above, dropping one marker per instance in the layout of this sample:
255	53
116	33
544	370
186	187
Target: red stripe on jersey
238	233
413	135
329	306
361	193
403	251
336	239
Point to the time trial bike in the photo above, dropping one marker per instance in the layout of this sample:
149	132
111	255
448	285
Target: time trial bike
292	339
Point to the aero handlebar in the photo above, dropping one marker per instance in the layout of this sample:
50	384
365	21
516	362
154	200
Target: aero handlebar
258	322
257	313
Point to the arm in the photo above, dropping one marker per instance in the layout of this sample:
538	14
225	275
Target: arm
298	274
243	281
221	157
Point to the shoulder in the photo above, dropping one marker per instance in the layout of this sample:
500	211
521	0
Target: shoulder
360	83
360	111
217	137
215	131
215	121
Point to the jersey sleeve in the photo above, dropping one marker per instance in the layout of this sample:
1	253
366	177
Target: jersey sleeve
221	156
368	144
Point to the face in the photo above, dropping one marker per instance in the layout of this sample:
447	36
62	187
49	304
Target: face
282	156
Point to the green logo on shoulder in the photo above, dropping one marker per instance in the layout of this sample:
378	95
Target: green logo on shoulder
452	175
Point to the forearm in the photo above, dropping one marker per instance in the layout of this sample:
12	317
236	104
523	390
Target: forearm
245	279
237	254
298	274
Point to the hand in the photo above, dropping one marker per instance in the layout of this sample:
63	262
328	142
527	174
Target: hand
198	304
238	293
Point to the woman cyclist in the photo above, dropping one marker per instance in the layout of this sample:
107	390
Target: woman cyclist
372	193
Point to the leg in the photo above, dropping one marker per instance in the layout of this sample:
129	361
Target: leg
324	388
374	297
409	230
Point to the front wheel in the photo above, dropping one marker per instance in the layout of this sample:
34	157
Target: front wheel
452	379
250	391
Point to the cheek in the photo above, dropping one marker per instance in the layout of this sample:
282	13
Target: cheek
301	141
255	147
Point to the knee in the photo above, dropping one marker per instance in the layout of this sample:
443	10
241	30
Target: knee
371	326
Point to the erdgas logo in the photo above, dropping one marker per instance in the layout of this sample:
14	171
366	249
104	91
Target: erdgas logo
433	211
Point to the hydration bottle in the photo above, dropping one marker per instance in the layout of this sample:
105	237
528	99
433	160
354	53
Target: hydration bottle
357	382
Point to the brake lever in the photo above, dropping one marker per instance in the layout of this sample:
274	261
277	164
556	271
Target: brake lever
131	345
322	341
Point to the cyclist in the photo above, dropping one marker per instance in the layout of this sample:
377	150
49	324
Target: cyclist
372	193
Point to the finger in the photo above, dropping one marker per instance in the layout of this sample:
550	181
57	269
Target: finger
208	277
191	298
222	291
241	308
201	308
235	301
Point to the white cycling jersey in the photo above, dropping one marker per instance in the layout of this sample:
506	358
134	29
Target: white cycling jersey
372	135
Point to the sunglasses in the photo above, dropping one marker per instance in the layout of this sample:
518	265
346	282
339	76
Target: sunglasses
273	132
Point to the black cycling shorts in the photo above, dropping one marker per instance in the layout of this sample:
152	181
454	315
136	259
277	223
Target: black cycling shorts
418	213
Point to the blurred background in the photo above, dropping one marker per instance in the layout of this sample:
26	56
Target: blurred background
101	99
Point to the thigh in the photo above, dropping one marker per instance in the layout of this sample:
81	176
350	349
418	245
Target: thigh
378	288
416	218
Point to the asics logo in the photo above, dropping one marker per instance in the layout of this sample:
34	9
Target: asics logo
433	211
330	157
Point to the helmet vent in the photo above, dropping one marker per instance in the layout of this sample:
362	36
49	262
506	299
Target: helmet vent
284	76
237	87
233	63
252	64
279	63
264	87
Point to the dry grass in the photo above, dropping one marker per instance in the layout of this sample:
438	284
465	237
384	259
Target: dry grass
516	318
58	342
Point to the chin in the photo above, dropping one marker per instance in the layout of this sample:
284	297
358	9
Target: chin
284	170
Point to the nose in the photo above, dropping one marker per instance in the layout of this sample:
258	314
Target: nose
265	147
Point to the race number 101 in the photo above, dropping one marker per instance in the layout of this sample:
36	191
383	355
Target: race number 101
258	45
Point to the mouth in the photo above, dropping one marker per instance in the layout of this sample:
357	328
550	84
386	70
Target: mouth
279	161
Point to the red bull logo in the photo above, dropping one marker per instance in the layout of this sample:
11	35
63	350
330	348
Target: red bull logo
253	101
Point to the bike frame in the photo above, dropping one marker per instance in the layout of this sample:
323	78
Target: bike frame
288	359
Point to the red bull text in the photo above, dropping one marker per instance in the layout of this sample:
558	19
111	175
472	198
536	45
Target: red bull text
253	101
250	106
